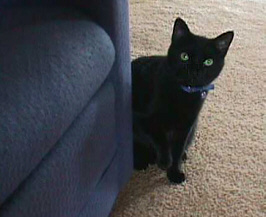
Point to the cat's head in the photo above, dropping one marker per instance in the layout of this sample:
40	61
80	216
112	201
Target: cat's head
197	60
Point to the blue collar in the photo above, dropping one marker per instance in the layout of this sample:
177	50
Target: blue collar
189	89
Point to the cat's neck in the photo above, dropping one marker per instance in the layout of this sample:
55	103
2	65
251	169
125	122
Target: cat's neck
168	87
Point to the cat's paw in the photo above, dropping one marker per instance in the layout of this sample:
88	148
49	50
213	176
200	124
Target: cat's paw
184	157
176	177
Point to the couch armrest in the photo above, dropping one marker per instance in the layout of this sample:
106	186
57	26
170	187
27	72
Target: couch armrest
113	16
48	73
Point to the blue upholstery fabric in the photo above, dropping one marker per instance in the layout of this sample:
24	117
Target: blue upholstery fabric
48	74
113	16
62	184
65	107
12	18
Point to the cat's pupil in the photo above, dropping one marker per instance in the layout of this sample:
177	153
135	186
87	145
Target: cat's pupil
208	62
184	56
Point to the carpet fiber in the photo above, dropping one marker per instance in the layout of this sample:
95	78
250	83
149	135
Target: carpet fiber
226	170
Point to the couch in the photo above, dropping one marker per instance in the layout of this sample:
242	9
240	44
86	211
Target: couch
65	107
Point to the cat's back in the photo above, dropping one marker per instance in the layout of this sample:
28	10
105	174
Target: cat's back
145	68
145	64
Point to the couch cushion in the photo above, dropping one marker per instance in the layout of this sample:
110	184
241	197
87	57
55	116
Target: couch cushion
48	73
62	184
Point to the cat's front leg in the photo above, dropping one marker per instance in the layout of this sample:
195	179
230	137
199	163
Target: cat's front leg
184	156
164	159
162	148
189	140
175	173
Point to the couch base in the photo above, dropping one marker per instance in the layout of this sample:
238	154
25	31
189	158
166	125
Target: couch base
83	173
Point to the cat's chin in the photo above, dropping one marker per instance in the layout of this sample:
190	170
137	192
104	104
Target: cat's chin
187	83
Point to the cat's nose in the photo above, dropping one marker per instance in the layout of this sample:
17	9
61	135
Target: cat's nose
197	64
196	61
198	67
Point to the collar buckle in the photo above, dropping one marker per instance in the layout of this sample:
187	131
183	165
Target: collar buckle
203	90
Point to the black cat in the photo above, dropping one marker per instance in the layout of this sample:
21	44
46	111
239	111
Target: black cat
168	94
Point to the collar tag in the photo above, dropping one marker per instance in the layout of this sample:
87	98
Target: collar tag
204	94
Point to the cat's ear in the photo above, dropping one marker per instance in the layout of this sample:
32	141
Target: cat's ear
180	29
223	41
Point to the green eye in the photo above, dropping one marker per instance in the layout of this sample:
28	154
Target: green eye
208	62
184	56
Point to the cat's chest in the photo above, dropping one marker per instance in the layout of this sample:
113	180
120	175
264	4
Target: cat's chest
184	102
180	108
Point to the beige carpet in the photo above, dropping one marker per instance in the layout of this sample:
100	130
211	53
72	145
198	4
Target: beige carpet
226	170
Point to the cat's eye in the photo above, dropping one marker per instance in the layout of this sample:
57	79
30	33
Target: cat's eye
184	56
208	62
